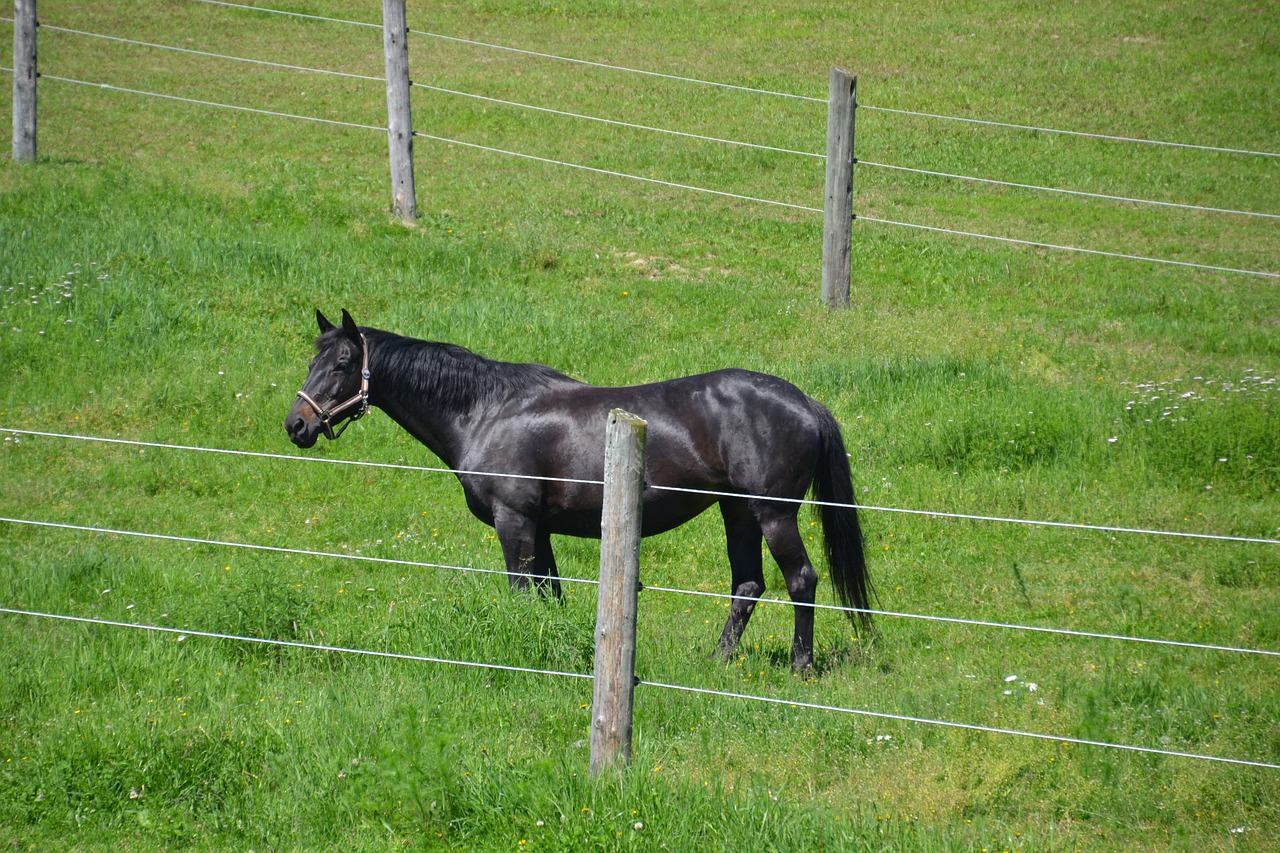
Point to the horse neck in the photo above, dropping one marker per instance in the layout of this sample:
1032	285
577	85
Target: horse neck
399	387
434	391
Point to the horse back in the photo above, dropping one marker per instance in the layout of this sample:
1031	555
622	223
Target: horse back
730	430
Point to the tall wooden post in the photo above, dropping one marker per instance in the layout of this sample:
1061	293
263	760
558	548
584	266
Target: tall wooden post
24	80
395	33
837	230
615	664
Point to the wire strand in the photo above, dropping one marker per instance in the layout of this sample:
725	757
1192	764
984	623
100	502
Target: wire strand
1080	133
670	590
275	113
614	174
979	623
676	77
709	493
1082	193
211	55
673	184
292	644
1062	248
660	130
271	11
792	703
320	459
616	123
969	517
274	549
891	110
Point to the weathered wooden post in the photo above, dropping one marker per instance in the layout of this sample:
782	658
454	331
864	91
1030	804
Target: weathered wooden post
24	80
837	230
615	664
395	33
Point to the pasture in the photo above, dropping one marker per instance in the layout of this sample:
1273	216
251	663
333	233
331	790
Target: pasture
159	270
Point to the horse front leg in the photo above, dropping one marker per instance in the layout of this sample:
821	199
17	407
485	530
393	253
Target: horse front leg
526	550
746	564
517	536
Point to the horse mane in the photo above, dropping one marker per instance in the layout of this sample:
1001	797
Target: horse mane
451	376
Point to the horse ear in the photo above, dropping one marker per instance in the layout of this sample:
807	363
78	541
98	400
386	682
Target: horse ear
323	322
349	326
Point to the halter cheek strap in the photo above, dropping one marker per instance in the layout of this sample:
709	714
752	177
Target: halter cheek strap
328	417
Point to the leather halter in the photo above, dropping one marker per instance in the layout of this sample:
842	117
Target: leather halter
328	417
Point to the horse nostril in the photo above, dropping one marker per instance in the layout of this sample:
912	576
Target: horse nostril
295	426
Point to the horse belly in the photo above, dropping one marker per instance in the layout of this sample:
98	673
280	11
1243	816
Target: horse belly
662	510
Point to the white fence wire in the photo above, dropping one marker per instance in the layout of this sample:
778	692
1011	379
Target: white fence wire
364	558
183	633
1101	528
671	184
677	133
749	697
667	131
701	137
717	596
759	91
703	190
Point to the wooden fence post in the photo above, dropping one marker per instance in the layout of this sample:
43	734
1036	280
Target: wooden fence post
24	81
837	230
615	663
395	33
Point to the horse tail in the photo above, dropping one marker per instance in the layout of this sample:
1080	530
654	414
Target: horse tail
833	488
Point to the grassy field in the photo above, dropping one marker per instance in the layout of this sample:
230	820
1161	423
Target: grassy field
159	269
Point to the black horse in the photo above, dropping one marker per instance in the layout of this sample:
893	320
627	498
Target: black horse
749	434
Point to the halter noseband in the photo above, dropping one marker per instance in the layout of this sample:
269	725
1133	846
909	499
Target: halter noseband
328	417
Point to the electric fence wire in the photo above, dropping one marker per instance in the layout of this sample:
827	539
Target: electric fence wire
924	617
659	182
914	113
1061	191
978	623
587	581
197	101
792	703
276	549
667	131
1064	248
1101	528
183	633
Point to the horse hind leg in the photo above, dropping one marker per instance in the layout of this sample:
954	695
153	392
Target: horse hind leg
544	566
782	534
746	565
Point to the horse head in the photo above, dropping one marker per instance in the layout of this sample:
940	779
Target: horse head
337	387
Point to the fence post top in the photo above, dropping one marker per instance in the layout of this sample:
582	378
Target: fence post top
625	417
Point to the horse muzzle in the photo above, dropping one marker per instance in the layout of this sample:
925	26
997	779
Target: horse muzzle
303	427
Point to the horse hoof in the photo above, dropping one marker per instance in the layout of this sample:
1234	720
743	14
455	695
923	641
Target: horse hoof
803	668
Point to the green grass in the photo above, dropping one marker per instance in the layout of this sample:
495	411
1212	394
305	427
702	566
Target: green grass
969	377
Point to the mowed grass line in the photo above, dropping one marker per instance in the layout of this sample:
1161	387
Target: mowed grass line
196	244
